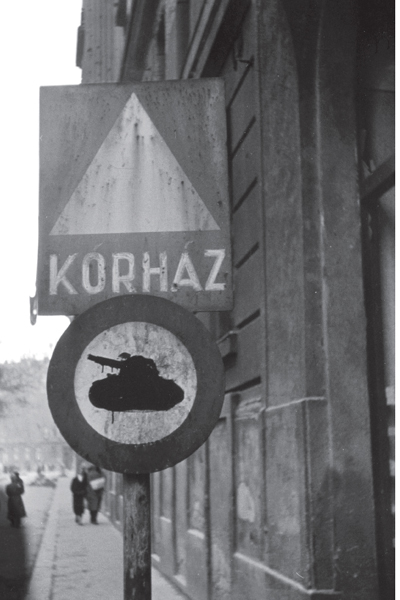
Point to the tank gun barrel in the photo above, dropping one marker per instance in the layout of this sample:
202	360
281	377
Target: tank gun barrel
106	362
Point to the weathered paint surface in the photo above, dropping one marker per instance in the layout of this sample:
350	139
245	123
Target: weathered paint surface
133	195
137	538
175	343
149	189
92	276
220	487
173	361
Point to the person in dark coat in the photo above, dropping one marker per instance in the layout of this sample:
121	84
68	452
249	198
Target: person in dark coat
79	488
19	481
94	493
16	508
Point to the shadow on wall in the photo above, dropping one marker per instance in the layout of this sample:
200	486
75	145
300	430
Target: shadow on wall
353	557
13	564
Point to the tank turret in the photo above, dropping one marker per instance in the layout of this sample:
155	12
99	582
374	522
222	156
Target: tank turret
138	386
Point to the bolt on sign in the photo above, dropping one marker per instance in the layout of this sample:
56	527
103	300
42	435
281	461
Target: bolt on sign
136	384
133	195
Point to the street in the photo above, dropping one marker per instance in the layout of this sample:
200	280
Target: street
50	556
19	547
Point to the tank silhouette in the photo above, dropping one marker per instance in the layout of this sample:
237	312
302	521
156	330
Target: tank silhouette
137	386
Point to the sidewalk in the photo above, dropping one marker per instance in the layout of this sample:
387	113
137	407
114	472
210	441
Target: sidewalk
19	547
83	562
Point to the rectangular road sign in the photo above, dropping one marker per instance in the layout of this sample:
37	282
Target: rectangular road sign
133	195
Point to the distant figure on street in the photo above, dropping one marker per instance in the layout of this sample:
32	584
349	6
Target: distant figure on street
19	481
79	488
94	494
16	508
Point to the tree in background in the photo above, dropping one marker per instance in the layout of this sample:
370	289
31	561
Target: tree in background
21	382
29	439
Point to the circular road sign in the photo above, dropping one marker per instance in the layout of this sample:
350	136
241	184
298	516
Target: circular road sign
136	384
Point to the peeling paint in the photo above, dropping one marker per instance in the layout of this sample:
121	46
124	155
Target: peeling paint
245	503
173	361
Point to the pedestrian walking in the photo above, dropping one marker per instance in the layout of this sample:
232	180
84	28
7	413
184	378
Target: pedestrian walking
15	505
79	488
95	488
19	481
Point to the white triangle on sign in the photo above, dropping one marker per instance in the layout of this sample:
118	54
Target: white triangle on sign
134	184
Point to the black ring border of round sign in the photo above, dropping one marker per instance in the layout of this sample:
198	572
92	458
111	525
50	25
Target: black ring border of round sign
152	456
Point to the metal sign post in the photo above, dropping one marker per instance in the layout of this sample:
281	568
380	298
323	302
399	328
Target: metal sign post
137	537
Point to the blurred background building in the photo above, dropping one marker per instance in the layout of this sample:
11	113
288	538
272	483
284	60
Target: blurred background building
292	496
29	440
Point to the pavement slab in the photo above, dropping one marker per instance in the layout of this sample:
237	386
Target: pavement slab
83	561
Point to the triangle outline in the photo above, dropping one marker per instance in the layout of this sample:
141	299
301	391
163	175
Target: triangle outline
195	133
153	174
98	105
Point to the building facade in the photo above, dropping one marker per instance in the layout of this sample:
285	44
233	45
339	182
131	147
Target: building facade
292	495
29	439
